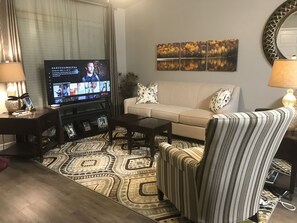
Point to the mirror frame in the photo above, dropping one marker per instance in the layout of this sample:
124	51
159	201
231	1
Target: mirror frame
275	21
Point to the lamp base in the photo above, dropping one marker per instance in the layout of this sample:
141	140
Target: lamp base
13	105
289	99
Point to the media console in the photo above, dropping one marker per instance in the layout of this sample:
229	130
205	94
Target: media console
85	119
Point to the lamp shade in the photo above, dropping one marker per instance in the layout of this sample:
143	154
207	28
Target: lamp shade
11	72
284	74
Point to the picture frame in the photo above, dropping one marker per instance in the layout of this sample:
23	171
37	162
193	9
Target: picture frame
69	128
271	177
28	104
87	126
102	122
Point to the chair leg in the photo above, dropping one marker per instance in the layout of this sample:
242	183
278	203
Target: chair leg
254	218
160	195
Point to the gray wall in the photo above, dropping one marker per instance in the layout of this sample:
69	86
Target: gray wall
150	22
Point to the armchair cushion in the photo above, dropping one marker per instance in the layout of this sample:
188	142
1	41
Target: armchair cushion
180	157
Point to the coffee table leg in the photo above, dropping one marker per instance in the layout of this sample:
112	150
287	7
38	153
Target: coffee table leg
129	134
152	144
169	134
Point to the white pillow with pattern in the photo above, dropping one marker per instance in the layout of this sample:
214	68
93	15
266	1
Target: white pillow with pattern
220	99
147	94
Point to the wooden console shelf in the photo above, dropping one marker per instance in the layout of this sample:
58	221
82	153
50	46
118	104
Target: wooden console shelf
85	119
33	124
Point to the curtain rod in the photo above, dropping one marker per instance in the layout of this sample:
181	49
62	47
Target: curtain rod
93	3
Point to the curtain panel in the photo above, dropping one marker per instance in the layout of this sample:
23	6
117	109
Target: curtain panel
10	44
10	51
60	30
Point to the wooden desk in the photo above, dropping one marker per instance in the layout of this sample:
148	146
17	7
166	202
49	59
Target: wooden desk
33	124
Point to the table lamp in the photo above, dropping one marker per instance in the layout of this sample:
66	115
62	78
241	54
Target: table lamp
284	75
9	73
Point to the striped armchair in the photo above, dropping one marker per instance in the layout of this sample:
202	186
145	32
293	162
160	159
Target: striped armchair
223	182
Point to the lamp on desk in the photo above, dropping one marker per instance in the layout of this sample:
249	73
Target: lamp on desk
9	73
284	75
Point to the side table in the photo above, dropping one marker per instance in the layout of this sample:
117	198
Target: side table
32	124
288	151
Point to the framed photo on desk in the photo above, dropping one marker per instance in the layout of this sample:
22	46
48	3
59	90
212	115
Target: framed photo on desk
28	104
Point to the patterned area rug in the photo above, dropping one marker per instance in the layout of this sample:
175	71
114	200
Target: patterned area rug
128	179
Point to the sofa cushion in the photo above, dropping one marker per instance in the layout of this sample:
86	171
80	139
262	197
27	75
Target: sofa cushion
168	112
192	94
147	94
196	117
220	99
141	109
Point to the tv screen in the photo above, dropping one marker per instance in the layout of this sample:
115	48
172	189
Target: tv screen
73	81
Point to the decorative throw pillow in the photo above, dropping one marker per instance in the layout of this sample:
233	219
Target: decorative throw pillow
220	99
147	94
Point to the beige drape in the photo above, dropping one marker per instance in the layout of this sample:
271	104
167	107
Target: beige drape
111	54
10	44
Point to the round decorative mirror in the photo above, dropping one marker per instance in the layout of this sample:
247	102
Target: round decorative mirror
280	32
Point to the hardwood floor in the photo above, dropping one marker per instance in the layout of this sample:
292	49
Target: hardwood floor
30	192
282	215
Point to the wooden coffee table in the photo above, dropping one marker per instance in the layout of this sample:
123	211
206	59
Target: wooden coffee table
121	121
150	127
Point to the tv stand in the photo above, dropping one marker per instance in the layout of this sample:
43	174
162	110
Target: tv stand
85	119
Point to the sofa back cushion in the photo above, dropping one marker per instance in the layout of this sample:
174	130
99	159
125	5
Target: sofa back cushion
195	94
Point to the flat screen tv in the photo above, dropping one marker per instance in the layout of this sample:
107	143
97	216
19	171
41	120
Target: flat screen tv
74	81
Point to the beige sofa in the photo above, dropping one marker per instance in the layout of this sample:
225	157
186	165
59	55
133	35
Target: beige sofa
186	104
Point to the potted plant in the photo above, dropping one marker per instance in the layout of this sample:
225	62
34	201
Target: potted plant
127	86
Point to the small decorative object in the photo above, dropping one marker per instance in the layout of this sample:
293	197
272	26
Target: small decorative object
13	105
28	104
102	122
69	128
87	126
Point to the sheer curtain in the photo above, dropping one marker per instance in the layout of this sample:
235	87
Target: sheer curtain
9	51
10	45
60	29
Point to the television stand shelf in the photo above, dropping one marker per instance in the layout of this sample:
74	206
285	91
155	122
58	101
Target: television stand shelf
85	119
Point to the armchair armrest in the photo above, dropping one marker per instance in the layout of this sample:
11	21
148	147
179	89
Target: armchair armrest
180	158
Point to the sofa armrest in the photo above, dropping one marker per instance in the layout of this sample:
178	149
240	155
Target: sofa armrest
180	158
127	102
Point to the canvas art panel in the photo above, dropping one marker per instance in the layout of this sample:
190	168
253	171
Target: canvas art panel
222	55
168	55
211	55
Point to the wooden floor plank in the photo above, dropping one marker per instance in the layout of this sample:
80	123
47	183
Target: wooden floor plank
30	192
